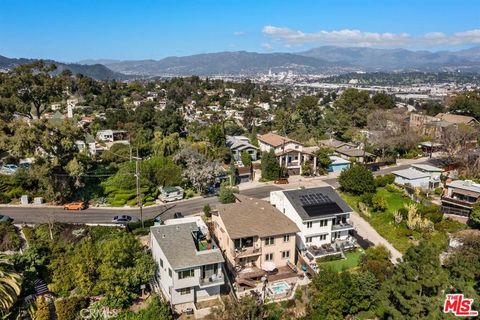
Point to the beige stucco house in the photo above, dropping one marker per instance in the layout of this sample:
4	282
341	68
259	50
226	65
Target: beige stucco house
254	237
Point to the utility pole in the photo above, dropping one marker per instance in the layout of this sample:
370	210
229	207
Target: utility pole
139	196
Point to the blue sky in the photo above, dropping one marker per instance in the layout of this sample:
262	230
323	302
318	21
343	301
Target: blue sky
69	30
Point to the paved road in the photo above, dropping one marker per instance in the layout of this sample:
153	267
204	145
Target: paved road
99	215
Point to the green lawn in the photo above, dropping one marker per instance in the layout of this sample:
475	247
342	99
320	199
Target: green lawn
397	234
351	261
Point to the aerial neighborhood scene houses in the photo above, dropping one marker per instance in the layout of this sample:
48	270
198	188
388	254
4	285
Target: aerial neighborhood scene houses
320	173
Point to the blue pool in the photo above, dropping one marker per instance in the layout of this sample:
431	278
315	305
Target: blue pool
280	287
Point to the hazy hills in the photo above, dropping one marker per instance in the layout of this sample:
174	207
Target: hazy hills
96	71
321	60
327	59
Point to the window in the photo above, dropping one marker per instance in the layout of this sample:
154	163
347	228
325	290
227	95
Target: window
323	237
285	254
323	223
269	241
269	257
308	239
309	224
186	274
286	238
184	291
161	263
169	272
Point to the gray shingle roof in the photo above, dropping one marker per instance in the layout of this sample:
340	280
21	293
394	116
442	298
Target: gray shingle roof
293	197
176	242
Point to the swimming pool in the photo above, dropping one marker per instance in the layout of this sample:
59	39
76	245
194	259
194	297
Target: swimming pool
278	288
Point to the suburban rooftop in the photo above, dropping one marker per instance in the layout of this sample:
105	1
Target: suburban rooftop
178	245
275	140
329	202
411	173
465	185
253	217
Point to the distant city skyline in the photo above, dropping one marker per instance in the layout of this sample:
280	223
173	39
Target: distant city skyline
130	30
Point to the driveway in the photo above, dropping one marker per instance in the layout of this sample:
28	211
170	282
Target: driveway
367	232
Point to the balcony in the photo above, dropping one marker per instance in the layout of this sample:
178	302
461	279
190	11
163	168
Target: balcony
246	252
213	280
342	226
459	202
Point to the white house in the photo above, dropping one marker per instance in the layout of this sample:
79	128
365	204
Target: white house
291	154
278	143
112	135
190	264
434	172
419	176
322	217
239	144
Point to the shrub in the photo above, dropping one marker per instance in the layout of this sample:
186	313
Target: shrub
393	188
403	212
438	191
9	239
379	203
69	308
382	181
367	198
207	210
28	234
332	257
432	213
227	193
138	224
4	198
357	180
15	193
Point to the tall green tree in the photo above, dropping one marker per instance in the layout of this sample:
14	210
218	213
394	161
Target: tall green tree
32	88
357	179
270	167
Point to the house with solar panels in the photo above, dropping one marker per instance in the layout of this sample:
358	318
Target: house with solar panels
322	217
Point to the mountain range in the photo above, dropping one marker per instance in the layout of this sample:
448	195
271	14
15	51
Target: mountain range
96	71
321	60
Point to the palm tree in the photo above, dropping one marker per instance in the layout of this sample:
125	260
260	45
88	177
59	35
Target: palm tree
10	286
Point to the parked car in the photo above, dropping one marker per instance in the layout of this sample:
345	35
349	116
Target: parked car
25	165
9	168
123	219
75	206
281	181
5	218
177	215
168	194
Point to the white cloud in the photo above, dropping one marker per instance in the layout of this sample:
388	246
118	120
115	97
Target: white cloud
352	37
267	46
239	33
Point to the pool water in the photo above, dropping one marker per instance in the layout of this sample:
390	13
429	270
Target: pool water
279	287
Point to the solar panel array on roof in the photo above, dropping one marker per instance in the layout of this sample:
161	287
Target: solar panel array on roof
323	209
314	199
